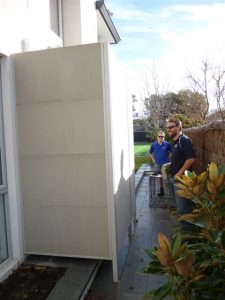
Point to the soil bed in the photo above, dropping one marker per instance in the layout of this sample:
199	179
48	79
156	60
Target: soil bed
30	282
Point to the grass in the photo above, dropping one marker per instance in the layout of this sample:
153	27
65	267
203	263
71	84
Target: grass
141	155
139	160
141	149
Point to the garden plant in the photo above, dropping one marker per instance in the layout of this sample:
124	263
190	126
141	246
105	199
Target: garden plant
193	261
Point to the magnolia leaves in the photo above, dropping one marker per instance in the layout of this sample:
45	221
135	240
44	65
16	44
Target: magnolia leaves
177	257
194	262
211	181
207	191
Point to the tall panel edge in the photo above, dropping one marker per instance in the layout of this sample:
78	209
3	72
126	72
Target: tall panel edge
109	157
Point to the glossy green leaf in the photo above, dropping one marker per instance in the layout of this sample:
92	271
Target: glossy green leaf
150	252
162	292
221	296
200	222
176	243
154	267
221	193
189	174
221	211
213	250
206	263
221	169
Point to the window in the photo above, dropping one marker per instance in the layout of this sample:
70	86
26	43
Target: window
1	181
3	232
4	251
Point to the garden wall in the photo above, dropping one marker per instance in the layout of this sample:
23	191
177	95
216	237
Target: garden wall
209	143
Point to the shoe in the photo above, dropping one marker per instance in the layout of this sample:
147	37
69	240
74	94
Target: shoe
156	173
163	206
160	194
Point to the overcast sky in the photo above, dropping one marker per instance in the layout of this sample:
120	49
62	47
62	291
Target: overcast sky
173	35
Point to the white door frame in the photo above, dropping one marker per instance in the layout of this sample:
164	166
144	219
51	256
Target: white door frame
14	221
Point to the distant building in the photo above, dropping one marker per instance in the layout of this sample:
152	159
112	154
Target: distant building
139	132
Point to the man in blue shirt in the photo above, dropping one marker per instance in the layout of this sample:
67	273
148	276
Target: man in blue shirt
159	152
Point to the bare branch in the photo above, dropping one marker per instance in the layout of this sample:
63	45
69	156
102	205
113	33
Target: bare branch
201	84
219	91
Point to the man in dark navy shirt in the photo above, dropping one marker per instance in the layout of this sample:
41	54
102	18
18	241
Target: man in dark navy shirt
182	159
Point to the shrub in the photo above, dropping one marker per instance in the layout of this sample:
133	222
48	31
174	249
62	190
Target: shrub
194	261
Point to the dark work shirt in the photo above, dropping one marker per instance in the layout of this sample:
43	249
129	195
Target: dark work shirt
182	149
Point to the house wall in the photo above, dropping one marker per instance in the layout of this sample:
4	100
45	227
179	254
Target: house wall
60	114
80	22
25	25
89	22
122	149
72	20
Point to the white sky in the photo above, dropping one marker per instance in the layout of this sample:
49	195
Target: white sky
174	36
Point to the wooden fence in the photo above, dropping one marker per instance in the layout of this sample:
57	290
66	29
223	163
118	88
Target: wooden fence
209	143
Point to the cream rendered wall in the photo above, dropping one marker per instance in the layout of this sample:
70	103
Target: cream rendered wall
60	113
71	22
89	22
79	22
122	148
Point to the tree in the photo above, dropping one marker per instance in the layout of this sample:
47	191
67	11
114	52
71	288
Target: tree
219	90
134	100
155	105
188	105
155	111
188	122
159	103
191	104
212	84
201	84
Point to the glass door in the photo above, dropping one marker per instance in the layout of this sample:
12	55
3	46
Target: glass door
4	253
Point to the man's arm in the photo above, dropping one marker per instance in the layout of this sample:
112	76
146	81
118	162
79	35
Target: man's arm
151	153
152	157
188	163
169	151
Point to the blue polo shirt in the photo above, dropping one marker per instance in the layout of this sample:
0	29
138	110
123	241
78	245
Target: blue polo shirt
161	152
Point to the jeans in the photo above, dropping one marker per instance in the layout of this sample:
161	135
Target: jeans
183	205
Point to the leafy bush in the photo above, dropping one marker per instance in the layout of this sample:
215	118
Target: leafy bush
194	261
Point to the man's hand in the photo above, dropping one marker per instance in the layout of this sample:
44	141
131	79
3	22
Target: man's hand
188	163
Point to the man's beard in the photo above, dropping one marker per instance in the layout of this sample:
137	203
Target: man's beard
172	134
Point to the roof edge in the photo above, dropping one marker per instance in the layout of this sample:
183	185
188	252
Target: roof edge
100	6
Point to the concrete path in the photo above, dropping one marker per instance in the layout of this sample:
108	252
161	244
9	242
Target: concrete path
133	285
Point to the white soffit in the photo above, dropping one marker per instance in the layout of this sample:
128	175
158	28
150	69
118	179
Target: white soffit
106	29
104	34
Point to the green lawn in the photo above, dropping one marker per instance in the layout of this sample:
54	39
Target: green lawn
140	150
141	155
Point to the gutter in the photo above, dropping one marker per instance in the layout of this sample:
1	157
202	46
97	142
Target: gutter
100	6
